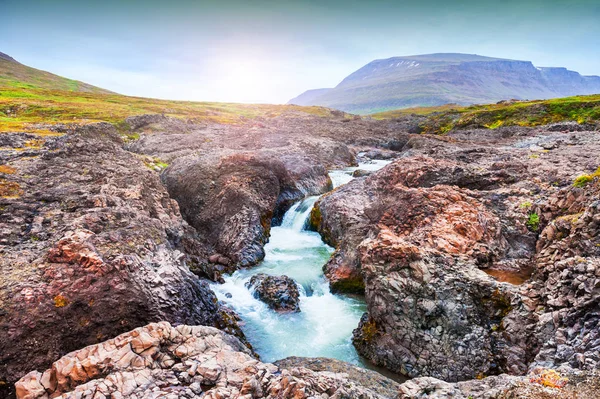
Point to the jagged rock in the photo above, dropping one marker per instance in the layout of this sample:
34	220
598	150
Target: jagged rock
363	377
577	384
279	292
566	283
92	248
422	280
348	215
159	360
414	235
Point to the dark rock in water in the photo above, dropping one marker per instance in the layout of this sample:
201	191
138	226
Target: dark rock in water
369	379
279	292
361	173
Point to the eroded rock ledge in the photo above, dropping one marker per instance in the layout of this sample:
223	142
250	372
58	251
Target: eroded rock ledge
159	360
419	236
92	247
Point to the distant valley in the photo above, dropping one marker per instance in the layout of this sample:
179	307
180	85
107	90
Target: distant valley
437	79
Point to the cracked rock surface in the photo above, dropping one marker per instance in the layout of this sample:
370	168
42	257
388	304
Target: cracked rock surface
159	360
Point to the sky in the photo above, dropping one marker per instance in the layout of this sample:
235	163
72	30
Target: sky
260	51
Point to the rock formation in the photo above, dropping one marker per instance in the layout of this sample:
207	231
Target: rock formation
279	292
418	236
232	182
91	246
159	360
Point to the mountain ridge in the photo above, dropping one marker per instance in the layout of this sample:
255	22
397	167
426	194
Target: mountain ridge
442	78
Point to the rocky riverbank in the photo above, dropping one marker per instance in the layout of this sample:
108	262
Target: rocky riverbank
421	234
96	243
93	244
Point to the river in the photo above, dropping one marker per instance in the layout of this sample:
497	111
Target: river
323	327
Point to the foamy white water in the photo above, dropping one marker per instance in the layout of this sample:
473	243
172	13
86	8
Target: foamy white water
325	323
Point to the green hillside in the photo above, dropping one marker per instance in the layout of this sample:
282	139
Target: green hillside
580	109
16	75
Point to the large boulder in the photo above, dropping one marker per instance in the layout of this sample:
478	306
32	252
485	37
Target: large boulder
431	310
345	217
280	293
90	248
231	199
159	360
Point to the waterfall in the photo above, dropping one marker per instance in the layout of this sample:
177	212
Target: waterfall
297	216
325	323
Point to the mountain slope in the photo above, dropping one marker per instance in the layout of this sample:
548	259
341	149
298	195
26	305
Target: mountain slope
436	79
16	75
308	96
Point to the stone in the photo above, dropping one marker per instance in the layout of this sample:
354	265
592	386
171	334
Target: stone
223	368
279	292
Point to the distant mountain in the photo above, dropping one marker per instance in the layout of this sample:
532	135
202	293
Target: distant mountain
17	75
437	79
308	96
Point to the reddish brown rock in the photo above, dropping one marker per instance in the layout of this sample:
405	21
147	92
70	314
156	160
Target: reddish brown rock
184	362
94	247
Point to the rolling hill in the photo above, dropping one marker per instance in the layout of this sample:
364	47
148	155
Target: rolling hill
437	79
16	75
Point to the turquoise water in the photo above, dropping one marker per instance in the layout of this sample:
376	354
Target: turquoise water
325	323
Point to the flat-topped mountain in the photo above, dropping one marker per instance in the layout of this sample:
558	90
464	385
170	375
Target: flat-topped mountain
16	75
436	79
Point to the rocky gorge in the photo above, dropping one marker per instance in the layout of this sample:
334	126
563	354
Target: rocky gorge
476	252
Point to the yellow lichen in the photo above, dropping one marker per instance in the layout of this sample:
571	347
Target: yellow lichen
369	330
10	189
549	378
8	170
60	301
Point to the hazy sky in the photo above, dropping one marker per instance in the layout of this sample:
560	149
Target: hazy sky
271	51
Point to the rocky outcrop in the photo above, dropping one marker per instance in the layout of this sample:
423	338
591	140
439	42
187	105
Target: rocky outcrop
346	216
566	283
91	247
233	182
361	376
540	383
231	199
431	310
417	235
279	292
182	362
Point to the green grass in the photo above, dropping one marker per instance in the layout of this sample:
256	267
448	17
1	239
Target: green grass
580	109
584	180
23	108
18	76
533	222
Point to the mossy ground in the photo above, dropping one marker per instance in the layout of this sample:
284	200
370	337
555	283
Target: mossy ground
584	180
22	109
580	109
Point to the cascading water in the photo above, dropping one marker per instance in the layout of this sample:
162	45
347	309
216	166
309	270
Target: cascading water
324	325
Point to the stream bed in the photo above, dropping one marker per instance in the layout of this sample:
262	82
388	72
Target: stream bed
323	327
